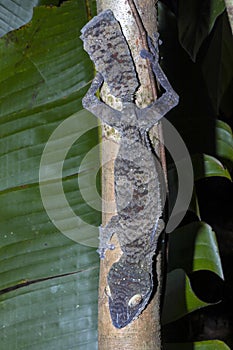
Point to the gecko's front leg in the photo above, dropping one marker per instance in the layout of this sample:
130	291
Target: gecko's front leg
153	57
105	234
169	99
100	109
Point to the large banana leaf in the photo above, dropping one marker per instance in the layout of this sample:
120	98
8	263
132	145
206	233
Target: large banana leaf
13	14
48	283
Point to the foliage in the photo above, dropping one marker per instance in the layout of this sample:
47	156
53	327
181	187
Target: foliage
200	29
48	282
48	292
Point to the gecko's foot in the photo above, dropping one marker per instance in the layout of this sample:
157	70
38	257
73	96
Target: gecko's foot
86	102
154	44
153	54
146	54
153	58
101	251
104	245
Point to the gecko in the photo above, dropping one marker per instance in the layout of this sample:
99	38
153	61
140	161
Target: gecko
137	179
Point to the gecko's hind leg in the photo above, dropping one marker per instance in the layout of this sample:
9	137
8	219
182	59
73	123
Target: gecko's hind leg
105	234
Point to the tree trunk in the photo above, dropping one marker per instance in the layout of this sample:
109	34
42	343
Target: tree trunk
229	7
143	333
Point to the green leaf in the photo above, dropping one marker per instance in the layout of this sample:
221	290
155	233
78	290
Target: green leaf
202	345
224	127
174	183
31	247
205	165
224	146
14	14
219	83
48	283
193	247
36	53
195	21
48	2
57	313
178	289
194	207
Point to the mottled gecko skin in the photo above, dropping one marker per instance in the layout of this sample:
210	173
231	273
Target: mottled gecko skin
108	49
138	192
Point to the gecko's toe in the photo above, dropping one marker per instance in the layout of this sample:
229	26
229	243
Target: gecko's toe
101	252
146	54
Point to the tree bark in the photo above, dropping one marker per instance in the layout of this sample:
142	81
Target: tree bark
143	333
229	7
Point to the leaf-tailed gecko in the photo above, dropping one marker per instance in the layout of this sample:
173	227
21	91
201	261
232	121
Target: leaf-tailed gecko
138	223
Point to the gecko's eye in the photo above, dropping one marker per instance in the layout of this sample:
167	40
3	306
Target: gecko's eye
107	291
135	300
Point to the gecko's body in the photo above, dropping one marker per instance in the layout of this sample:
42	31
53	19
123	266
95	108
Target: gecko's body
138	191
137	223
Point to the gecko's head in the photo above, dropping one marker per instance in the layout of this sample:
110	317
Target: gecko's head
129	289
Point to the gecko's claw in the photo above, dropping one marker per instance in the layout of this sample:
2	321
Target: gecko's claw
101	252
